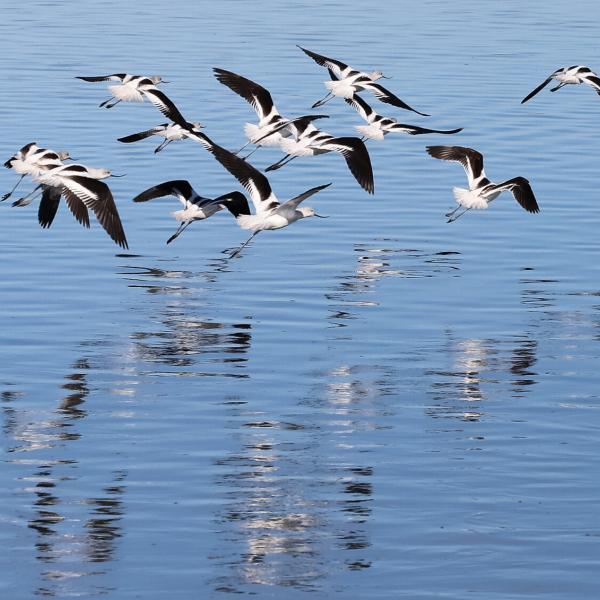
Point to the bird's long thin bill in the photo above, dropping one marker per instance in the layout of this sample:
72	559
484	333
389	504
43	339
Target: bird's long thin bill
124	175
322	216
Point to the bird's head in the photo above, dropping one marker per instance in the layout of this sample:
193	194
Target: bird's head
156	79
308	211
375	75
64	155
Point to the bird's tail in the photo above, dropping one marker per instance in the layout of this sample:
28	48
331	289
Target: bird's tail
469	198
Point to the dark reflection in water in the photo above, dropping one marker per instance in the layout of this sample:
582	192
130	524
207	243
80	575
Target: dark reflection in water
61	546
378	260
479	369
185	338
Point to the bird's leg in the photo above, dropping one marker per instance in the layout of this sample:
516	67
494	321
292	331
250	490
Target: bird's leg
251	153
9	194
449	214
162	145
244	146
323	100
113	104
29	198
554	89
237	252
281	163
180	230
102	104
460	214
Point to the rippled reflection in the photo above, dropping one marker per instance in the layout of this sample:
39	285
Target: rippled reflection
73	530
481	368
379	260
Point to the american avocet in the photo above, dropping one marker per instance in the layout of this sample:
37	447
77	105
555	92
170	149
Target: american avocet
269	212
134	88
568	76
33	160
195	207
379	126
170	131
272	127
481	190
81	189
310	141
345	81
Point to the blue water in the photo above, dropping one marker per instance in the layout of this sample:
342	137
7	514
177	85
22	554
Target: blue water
376	405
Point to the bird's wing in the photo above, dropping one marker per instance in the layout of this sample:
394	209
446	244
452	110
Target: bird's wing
416	130
539	88
386	96
335	66
521	190
166	106
142	135
97	196
294	202
180	188
255	94
48	205
470	159
357	158
235	202
364	110
256	184
114	77
593	80
77	207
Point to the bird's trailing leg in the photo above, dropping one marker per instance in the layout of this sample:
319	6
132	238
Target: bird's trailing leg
162	145
251	153
555	89
29	198
238	251
460	214
102	104
449	214
113	104
281	163
180	230
244	146
323	100
9	194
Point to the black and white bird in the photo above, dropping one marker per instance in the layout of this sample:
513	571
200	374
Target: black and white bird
195	207
32	160
481	190
272	127
378	126
310	141
346	81
269	213
82	189
136	88
169	131
568	76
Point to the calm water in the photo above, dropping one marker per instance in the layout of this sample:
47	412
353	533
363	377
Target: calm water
378	405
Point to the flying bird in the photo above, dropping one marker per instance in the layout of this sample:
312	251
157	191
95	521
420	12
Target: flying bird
379	126
272	127
136	88
269	213
346	81
568	76
481	190
82	190
32	160
310	141
169	131
195	207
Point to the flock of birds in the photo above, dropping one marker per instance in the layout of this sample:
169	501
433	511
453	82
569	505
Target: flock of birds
83	189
